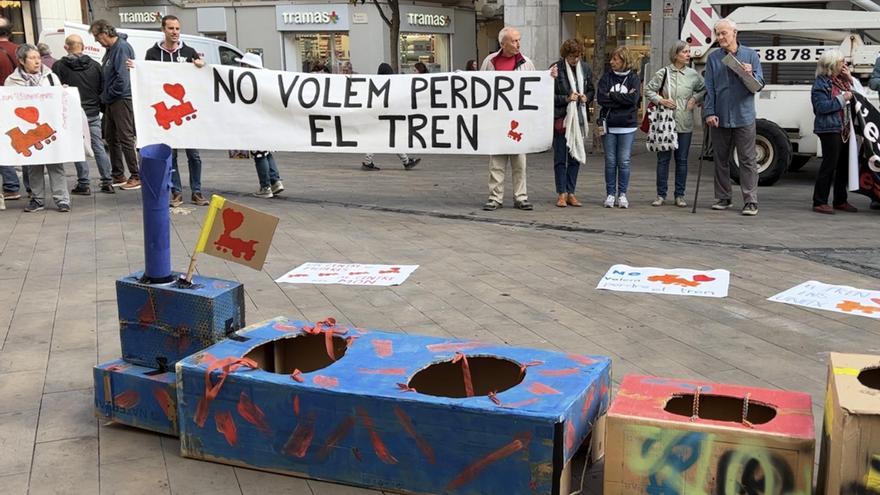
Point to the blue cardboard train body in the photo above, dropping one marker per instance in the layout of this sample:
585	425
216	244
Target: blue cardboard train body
136	396
161	324
390	411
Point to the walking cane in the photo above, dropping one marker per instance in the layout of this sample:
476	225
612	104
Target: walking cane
700	167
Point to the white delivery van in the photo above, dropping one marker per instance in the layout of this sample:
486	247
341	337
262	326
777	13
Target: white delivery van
212	51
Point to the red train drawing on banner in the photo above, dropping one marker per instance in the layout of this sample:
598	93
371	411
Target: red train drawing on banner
176	114
512	134
23	141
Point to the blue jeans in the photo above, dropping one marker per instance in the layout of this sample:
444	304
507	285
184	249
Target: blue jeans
565	167
10	178
194	163
618	149
267	171
681	166
101	158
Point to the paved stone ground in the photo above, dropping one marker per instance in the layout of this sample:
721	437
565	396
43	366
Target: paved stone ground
522	278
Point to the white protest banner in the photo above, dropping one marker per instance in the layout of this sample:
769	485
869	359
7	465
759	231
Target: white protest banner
348	274
672	281
222	107
41	125
837	298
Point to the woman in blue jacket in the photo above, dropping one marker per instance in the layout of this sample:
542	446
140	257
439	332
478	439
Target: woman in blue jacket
830	95
618	95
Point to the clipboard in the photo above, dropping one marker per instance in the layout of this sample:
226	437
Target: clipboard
747	79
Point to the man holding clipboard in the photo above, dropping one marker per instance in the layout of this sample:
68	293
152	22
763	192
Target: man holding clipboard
733	76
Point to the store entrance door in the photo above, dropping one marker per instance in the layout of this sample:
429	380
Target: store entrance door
304	51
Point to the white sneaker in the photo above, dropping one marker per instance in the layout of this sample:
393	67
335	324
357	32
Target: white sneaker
277	187
659	201
609	201
622	201
264	192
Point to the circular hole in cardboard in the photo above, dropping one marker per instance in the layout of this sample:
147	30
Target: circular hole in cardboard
488	374
870	377
305	352
720	408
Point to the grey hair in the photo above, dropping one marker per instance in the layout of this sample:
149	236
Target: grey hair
44	49
729	22
827	64
676	49
505	32
22	51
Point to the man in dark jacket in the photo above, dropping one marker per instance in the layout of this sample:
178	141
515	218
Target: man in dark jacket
173	50
83	73
7	67
116	97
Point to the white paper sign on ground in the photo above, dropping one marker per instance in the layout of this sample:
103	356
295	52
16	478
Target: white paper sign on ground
672	281
223	107
40	125
348	274
837	298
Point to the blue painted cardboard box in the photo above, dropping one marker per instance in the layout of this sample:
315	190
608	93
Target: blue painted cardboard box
136	396
390	411
162	324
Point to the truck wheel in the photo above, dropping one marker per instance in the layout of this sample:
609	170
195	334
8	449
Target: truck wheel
798	162
772	153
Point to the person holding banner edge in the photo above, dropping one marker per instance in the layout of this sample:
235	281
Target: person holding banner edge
407	162
171	49
508	58
32	72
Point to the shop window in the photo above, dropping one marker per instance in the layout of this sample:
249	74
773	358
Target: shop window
429	49
13	11
630	29
329	50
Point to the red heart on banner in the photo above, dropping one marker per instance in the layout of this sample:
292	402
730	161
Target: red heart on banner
175	91
28	114
513	124
702	278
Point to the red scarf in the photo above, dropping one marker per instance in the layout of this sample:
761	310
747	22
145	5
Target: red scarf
841	84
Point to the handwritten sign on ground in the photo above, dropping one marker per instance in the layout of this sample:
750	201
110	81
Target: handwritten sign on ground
40	125
348	274
222	107
837	298
672	281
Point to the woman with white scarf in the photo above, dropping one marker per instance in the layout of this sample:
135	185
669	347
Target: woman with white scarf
574	93
32	72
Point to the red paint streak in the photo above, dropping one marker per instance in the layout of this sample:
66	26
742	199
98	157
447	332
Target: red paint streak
297	376
699	24
522	403
226	365
163	398
147	313
358	273
588	401
127	399
357	454
205	358
394	269
349	341
494	398
584	360
466	373
406	388
301	438
603	390
201	413
226	426
569	436
325	381
562	372
252	413
410	430
328	345
454	346
296	405
281	327
118	367
183	342
336	436
383	348
539	388
471	472
378	446
327	274
383	371
297	275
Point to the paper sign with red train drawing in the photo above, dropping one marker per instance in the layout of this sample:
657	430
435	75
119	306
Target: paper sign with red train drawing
837	298
237	233
40	125
348	274
483	113
671	281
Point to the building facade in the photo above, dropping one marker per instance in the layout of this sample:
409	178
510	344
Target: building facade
30	17
298	36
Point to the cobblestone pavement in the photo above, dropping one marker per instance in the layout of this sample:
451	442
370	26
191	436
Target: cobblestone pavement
509	276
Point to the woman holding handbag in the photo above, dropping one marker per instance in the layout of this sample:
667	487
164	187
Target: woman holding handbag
675	90
573	95
618	94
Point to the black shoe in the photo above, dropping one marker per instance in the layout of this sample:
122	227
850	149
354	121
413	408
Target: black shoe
64	208
523	205
750	209
108	188
491	205
410	163
722	204
369	166
34	205
875	205
81	190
